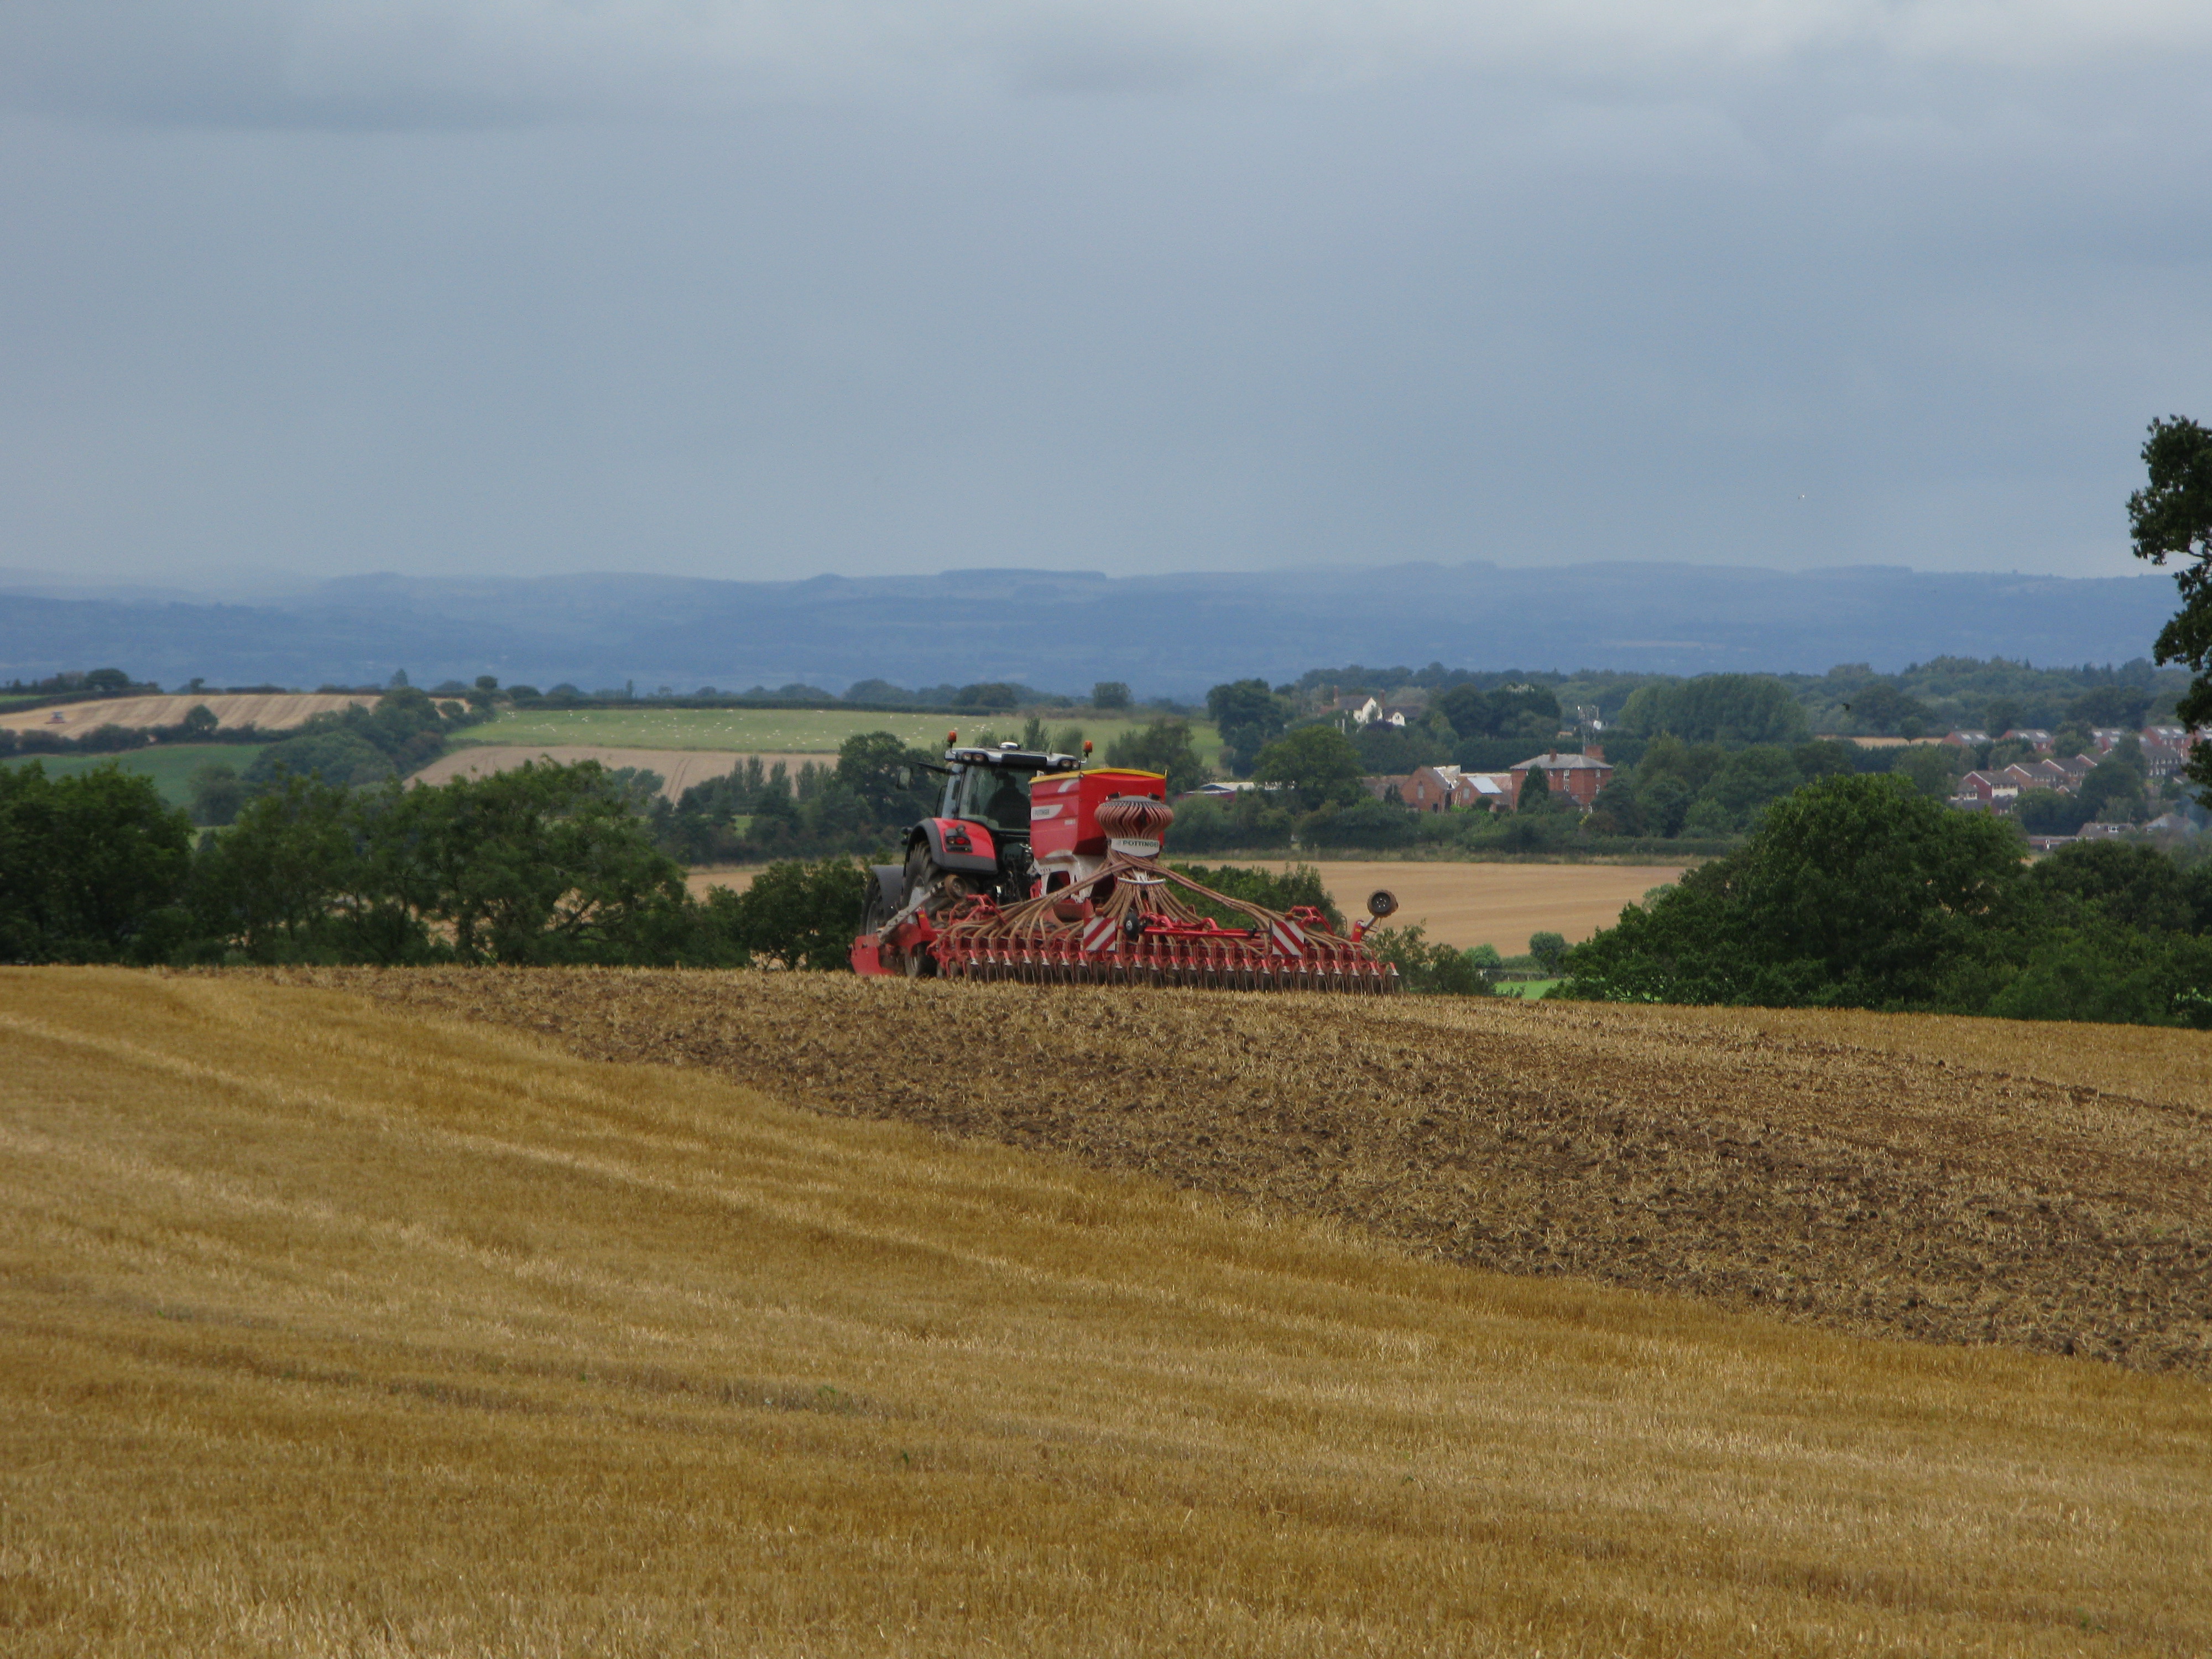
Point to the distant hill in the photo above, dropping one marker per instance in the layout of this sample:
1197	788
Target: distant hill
1063	630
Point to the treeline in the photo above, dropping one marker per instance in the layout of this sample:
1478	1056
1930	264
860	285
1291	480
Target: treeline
1992	695
1861	892
545	865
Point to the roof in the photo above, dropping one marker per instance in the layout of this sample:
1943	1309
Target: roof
1567	762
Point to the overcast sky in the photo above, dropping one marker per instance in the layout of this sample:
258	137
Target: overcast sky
774	288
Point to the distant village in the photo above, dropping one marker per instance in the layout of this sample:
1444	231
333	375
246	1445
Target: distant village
2000	770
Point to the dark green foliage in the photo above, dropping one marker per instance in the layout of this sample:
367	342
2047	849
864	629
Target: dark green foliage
1856	891
1277	890
1859	892
1437	969
865	803
90	867
2114	791
1549	951
1366	822
1930	767
544	863
2134	885
2172	517
1880	708
1313	765
1163	746
2050	812
340	757
796	915
1536	791
1394	751
1730	710
356	746
1517	713
217	792
1249	716
1254	821
1110	694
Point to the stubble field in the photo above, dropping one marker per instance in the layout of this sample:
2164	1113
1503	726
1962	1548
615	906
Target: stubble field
275	711
335	1326
1467	904
1899	1192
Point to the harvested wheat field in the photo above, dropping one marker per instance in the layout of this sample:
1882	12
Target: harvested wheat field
1776	1164
334	1326
267	711
1469	904
679	769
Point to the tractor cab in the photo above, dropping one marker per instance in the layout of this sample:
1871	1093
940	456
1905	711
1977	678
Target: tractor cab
991	787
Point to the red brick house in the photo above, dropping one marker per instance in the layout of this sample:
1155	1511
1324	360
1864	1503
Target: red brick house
1576	777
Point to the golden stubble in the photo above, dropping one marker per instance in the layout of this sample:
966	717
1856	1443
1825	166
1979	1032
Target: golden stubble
1964	1180
338	1327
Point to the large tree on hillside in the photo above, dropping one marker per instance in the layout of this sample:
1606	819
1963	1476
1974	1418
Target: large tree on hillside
2172	517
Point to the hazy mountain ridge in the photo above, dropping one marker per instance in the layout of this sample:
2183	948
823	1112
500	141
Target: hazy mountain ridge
1062	630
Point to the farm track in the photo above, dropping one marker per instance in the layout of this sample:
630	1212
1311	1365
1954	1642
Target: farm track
1864	1187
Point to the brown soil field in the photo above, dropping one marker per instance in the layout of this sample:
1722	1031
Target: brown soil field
679	769
1495	904
333	1327
270	711
1804	1165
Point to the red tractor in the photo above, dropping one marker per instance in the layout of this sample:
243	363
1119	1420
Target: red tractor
1038	868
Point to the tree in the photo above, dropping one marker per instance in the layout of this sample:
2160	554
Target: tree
2172	517
1536	791
1316	764
217	792
1729	709
1855	892
91	867
889	778
802	915
1927	767
2113	792
1110	694
1249	717
199	721
1163	746
1549	951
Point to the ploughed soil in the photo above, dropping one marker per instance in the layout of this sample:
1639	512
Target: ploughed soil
1883	1188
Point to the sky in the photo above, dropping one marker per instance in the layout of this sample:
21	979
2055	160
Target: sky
767	288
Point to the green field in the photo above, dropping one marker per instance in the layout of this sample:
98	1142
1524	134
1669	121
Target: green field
778	730
171	766
1524	988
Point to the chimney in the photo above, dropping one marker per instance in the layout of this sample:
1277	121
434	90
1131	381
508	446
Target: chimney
1552	754
1595	751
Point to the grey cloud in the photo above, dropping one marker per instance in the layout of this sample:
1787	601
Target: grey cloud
406	62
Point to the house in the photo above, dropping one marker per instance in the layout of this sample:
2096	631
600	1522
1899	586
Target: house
1965	739
2033	736
2076	770
2107	738
1988	792
2173	824
2163	760
2040	774
1577	777
1447	789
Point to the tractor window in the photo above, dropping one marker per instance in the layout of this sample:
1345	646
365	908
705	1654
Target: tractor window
1000	799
